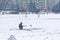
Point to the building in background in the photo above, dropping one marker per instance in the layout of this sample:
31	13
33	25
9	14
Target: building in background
39	4
22	5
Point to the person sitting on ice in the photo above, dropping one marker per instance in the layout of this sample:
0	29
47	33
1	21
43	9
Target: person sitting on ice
21	26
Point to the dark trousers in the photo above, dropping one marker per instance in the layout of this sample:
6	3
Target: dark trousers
21	28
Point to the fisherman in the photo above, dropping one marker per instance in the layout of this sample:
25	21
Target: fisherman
21	26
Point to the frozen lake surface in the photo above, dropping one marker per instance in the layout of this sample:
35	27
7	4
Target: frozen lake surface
44	26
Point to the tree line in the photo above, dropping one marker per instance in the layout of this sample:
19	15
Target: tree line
9	5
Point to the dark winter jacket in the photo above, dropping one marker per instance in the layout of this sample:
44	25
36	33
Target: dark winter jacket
20	26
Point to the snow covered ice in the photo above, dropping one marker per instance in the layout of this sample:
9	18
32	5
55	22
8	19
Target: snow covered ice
46	27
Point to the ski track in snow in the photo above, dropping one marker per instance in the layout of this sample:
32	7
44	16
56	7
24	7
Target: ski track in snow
46	27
